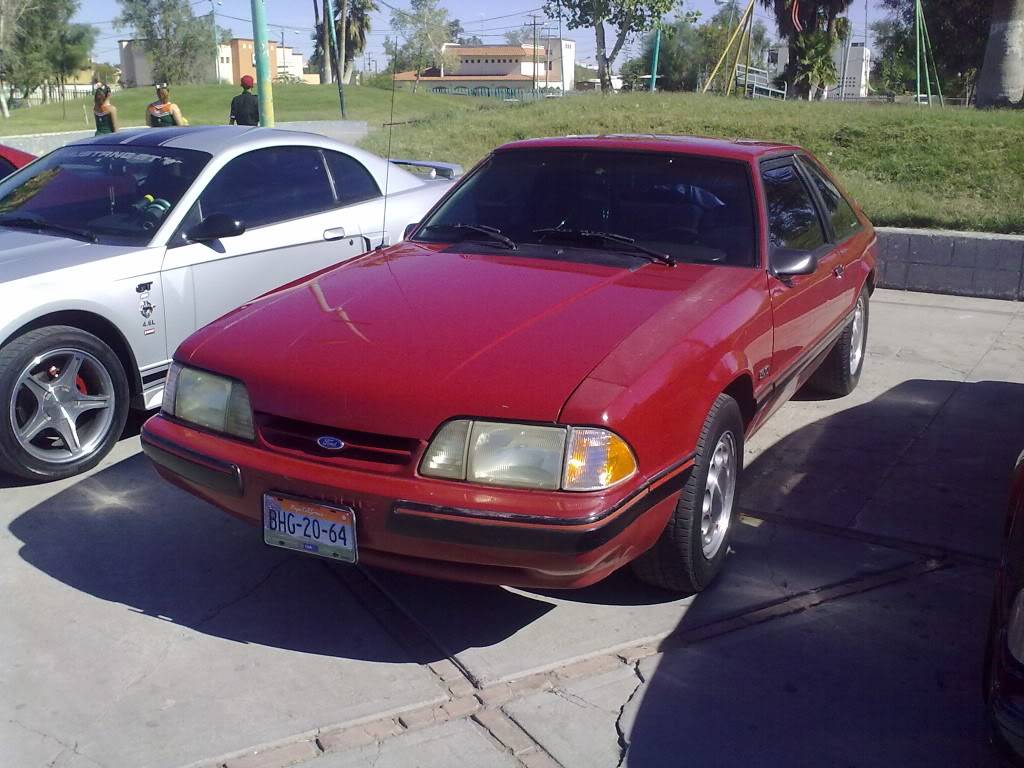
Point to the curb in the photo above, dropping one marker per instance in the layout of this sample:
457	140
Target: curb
980	265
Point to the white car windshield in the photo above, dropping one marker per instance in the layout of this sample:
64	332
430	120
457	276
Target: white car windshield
99	193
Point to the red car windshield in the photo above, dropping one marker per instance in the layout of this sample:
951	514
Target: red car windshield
688	208
112	194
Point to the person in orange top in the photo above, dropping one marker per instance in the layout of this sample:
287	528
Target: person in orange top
163	113
103	111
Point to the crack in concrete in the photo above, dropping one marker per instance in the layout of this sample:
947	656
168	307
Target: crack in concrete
73	747
213	614
623	740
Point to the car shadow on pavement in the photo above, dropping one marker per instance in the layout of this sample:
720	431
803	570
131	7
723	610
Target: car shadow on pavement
125	536
886	675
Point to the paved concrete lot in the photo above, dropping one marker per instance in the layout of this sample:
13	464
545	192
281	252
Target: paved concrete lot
142	628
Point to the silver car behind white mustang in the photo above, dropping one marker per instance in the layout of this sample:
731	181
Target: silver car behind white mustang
114	249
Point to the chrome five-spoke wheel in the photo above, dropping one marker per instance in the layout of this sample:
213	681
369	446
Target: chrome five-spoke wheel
64	399
719	493
62	406
857	336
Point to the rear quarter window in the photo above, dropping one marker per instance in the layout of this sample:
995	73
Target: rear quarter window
837	208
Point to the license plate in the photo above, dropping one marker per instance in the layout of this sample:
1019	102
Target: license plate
310	527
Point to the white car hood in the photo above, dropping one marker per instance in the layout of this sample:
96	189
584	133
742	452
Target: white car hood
24	253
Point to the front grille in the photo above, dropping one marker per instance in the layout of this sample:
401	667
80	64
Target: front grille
385	452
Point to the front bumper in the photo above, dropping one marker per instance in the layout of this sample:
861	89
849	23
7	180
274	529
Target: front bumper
428	527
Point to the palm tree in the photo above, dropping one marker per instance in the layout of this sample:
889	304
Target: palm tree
1002	75
356	30
814	16
815	65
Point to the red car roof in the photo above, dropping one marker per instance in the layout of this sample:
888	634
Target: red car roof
735	149
16	156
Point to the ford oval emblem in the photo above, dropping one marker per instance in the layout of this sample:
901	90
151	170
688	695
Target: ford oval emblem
329	443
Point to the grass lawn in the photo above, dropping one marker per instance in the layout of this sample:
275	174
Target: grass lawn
908	166
204	104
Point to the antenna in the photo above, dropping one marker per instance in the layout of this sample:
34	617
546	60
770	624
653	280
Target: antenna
387	170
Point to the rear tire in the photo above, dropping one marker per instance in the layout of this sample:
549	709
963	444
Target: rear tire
63	403
692	549
839	373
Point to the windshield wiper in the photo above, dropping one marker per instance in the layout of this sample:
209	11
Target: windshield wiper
490	233
27	222
610	237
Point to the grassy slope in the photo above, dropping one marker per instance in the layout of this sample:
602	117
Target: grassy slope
204	104
960	169
952	168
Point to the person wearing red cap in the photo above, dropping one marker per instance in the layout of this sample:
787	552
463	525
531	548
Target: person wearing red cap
245	107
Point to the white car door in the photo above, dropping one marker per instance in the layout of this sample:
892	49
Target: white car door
296	222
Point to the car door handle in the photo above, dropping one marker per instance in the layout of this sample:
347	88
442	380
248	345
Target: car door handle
334	234
839	271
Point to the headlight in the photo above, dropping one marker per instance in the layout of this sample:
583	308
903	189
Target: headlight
528	456
208	400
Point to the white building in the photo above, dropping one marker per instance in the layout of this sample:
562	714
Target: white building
499	69
855	85
857	68
234	58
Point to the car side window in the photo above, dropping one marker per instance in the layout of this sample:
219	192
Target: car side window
269	185
352	182
6	167
793	221
844	220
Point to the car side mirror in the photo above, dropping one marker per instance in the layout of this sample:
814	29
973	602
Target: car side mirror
789	262
409	229
216	226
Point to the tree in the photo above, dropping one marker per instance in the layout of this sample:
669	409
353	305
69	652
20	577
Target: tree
105	73
894	69
627	17
47	48
356	32
179	43
424	31
958	30
824	16
716	33
681	59
817	67
1002	74
521	36
11	12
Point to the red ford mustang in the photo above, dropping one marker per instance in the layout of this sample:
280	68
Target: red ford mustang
553	376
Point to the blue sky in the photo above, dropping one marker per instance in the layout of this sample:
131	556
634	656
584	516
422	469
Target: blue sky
295	18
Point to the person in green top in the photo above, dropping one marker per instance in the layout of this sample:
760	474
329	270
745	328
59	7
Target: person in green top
103	111
163	113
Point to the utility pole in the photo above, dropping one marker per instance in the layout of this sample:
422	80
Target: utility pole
848	40
561	55
654	58
339	61
262	51
216	42
533	20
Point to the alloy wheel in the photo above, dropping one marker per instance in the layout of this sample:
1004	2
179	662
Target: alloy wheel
857	337
62	407
719	492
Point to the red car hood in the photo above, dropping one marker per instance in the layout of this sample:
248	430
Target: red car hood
399	341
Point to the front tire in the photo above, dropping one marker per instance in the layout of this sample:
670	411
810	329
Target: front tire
64	399
839	373
692	549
